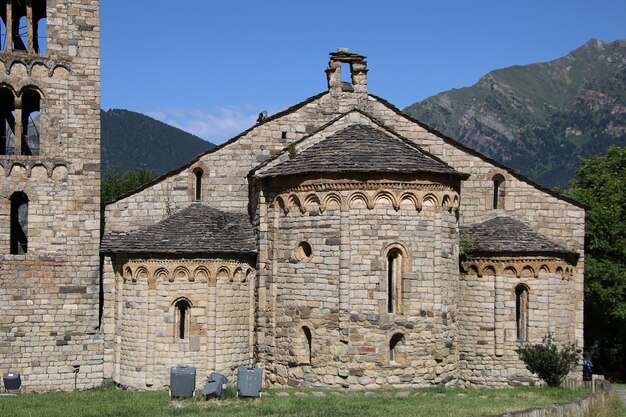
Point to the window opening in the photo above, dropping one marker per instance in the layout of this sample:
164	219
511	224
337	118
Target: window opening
40	27
3	28
303	251
283	135
390	283
19	223
396	341
198	192
346	73
182	311
498	192
7	122
394	281
16	20
23	26
521	312
30	121
309	340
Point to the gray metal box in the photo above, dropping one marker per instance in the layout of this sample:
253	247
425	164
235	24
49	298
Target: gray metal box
182	381
215	386
249	382
12	381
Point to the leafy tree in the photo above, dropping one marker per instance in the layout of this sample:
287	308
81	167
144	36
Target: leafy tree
115	184
602	187
548	362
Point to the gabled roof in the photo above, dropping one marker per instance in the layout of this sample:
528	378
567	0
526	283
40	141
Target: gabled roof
360	148
384	102
198	228
183	167
504	235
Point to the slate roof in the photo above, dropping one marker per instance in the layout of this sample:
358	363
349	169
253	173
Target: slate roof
506	235
198	228
360	148
385	103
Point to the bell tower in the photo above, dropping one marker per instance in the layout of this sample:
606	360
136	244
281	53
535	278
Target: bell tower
50	193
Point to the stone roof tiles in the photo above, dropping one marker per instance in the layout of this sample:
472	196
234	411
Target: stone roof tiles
506	235
360	148
198	228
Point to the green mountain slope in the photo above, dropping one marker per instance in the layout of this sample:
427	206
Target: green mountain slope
130	139
540	119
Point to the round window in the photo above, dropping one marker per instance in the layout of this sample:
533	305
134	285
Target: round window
303	251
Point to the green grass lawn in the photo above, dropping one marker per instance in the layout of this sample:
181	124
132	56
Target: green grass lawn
109	401
620	407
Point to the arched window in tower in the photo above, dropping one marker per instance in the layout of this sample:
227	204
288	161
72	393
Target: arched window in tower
7	122
198	187
24	26
31	105
39	27
19	223
498	192
19	32
521	312
183	309
394	281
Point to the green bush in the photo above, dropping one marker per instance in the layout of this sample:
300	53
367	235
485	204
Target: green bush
548	362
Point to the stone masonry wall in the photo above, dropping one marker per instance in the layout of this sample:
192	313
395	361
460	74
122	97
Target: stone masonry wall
340	294
146	322
487	324
555	218
225	186
49	297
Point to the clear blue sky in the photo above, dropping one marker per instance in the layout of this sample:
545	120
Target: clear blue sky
210	67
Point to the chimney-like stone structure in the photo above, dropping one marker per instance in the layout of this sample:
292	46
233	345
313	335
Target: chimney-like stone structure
358	72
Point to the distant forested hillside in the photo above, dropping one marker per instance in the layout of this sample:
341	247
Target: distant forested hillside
130	139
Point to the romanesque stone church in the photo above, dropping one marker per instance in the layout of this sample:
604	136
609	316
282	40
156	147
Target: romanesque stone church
336	243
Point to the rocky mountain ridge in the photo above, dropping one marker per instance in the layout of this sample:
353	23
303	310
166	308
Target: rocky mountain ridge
542	118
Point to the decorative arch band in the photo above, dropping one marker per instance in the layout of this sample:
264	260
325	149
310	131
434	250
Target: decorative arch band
307	201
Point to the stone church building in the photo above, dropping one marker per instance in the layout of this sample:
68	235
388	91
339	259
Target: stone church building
336	243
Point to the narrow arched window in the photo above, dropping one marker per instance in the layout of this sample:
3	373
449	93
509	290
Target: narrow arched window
309	340
7	122
198	188
521	312
498	192
183	309
394	281
396	343
39	28
19	223
23	25
31	105
19	25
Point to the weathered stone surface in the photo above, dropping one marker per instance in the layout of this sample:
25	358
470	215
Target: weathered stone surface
325	247
53	288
